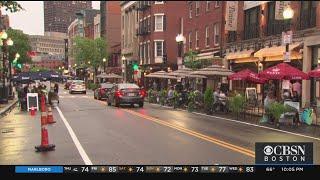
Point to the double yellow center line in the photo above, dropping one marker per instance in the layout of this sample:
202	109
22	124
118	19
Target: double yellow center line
196	134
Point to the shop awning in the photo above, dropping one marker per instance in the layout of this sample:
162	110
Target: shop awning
208	55
277	51
213	70
240	54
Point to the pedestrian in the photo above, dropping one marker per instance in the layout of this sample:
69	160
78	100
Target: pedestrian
296	87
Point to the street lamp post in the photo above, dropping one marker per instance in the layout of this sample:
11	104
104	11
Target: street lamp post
180	39
124	68
5	41
104	64
287	15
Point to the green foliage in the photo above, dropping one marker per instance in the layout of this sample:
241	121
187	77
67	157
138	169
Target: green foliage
86	50
12	6
152	96
276	109
191	62
236	103
38	69
208	99
163	96
93	86
191	101
21	45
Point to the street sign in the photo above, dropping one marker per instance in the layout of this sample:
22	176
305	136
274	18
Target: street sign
286	37
286	56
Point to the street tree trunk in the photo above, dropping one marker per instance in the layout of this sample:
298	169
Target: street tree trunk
95	74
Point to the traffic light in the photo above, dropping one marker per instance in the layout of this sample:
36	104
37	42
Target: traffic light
135	66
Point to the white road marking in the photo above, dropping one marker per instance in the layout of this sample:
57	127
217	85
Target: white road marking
82	152
249	124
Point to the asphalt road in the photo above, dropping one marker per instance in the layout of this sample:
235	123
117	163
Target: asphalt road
90	132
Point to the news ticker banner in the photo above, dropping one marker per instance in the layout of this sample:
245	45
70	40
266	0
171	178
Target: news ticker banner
134	169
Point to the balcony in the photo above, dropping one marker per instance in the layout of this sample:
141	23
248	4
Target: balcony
232	36
142	31
251	31
143	5
276	27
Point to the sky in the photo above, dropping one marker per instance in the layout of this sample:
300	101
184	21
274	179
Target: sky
30	21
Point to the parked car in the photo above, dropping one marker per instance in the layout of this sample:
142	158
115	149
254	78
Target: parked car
126	93
102	91
67	84
77	86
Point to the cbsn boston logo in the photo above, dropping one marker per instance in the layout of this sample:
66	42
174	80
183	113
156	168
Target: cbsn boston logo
284	153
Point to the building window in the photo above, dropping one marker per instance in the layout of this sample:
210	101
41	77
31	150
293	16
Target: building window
141	53
148	52
197	39
275	26
190	11
144	53
217	4
149	24
208	5
216	34
207	36
190	40
158	2
158	48
251	25
308	14
197	8
158	22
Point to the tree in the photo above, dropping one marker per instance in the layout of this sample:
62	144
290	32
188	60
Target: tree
190	60
12	6
88	50
21	45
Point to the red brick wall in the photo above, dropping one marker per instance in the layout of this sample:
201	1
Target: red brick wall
113	23
214	15
50	64
173	15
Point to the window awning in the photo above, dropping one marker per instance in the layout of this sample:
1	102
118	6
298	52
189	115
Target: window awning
208	55
276	51
240	55
293	56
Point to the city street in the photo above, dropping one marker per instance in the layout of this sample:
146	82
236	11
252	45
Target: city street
90	132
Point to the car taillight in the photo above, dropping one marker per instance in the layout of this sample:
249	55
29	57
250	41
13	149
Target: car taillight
142	93
119	93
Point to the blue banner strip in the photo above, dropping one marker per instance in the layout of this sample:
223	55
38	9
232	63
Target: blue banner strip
39	169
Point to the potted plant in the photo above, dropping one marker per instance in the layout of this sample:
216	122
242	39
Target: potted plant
236	103
163	96
191	101
276	110
208	100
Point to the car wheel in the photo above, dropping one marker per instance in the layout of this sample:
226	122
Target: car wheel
85	92
141	104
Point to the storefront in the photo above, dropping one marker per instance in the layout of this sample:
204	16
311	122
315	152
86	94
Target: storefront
311	60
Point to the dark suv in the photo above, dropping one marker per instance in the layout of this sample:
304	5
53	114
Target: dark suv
126	93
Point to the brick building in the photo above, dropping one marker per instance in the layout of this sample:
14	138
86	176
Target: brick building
58	15
256	41
96	28
202	27
52	64
159	24
110	29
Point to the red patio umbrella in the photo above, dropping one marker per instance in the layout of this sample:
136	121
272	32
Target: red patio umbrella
315	73
247	75
283	71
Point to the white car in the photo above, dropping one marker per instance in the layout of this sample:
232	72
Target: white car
77	86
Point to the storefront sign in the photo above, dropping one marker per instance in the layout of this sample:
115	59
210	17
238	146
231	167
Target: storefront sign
280	6
231	15
286	37
251	4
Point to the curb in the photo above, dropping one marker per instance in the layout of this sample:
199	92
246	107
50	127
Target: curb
9	107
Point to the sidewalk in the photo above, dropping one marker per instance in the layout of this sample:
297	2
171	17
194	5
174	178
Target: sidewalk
4	108
312	130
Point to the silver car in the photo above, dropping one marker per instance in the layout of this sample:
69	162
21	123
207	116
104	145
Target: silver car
77	86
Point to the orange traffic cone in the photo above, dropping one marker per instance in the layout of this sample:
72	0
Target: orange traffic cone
50	116
44	120
32	112
45	146
43	103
